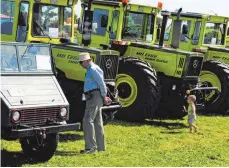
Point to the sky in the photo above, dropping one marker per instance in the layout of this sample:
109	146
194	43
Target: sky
220	7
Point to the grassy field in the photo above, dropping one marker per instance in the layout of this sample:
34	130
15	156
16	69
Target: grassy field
155	143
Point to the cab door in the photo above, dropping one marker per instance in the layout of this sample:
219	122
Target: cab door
8	20
185	38
101	25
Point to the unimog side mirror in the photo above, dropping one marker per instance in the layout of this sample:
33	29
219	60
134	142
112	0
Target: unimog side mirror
185	29
104	21
228	31
22	19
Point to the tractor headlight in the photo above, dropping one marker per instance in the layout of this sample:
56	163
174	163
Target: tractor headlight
16	115
63	112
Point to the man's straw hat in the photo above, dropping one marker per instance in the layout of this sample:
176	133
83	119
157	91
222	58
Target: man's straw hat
84	56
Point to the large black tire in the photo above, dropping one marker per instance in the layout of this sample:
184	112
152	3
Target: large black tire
73	91
40	152
221	70
148	90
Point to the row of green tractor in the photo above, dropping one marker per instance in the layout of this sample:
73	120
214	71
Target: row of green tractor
147	68
184	47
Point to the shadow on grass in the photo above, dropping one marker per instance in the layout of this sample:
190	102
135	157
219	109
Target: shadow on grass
207	114
69	137
14	159
171	132
167	125
158	123
67	153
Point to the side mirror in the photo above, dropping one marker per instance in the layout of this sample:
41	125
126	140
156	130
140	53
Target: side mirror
104	21
228	31
158	33
185	29
22	19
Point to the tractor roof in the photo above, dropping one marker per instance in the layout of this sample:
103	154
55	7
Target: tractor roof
209	17
118	3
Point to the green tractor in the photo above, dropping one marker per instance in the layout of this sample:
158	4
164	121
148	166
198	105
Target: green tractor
152	80
52	21
206	34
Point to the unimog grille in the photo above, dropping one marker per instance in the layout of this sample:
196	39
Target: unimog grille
194	66
109	65
38	116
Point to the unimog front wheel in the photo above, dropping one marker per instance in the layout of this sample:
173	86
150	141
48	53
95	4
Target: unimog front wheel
40	149
138	90
216	74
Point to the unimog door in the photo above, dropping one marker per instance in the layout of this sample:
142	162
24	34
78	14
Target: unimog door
34	108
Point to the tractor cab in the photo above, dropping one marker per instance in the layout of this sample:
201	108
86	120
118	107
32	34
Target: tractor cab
199	31
121	21
38	21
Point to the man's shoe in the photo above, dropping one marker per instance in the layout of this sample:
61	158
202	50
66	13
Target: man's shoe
88	151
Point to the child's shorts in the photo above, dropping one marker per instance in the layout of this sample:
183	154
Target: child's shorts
191	119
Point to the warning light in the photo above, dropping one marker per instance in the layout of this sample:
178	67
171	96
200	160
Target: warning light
124	2
160	5
188	91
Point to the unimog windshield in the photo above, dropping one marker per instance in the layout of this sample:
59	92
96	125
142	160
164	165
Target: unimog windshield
52	21
138	26
30	59
214	33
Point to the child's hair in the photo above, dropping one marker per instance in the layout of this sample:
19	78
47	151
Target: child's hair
192	97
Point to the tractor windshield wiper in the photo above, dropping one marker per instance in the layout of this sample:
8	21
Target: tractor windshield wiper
34	19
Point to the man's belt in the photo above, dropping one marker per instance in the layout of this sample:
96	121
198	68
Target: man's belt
88	92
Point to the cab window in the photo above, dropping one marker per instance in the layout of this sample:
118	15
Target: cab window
9	61
184	37
7	17
22	21
168	29
214	33
96	25
47	21
67	28
196	34
114	25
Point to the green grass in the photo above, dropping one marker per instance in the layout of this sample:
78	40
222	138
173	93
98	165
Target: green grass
160	143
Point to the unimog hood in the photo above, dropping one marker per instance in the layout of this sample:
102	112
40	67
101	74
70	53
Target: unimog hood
31	91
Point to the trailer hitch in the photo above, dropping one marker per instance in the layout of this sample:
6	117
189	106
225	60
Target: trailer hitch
109	111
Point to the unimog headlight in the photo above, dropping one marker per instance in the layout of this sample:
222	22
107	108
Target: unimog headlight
63	112
16	116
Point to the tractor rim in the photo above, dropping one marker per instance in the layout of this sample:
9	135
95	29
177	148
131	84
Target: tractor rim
127	89
209	79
